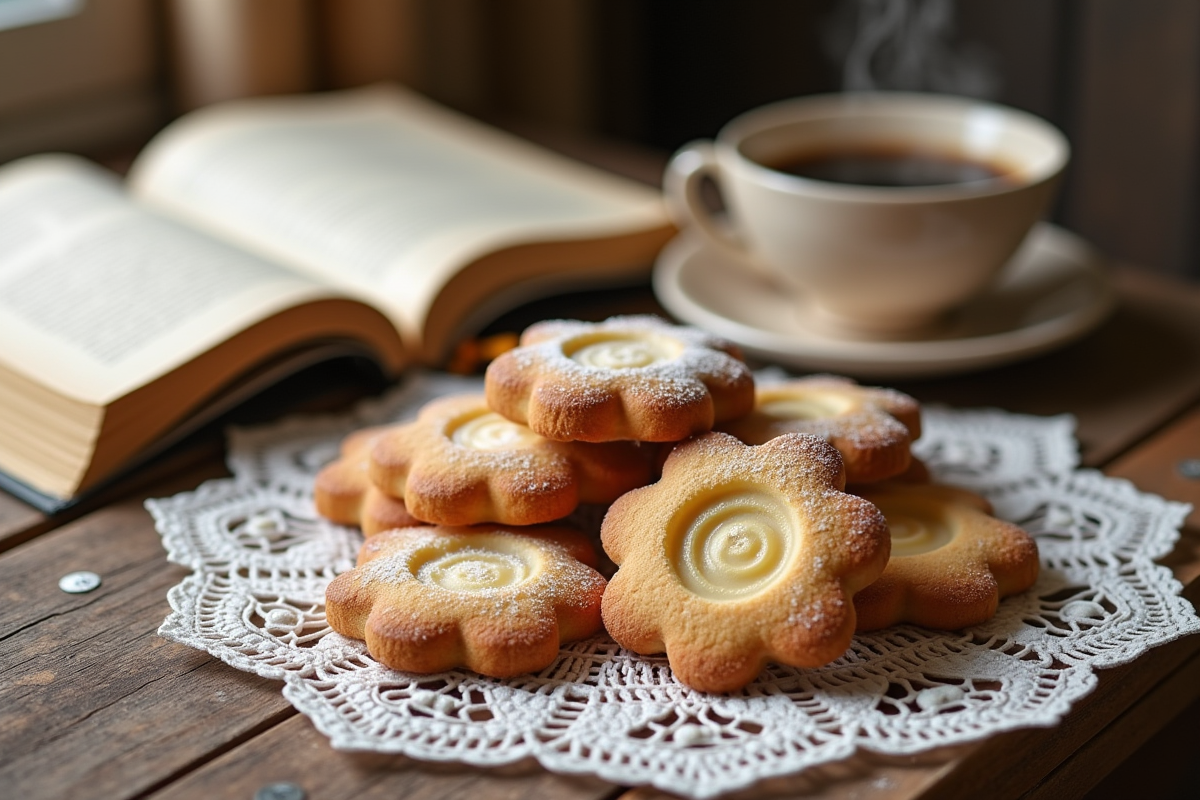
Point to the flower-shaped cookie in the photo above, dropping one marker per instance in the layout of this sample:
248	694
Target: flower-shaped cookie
635	377
951	560
459	463
740	555
871	427
344	494
497	601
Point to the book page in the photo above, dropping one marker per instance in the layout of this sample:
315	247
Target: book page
99	296
378	191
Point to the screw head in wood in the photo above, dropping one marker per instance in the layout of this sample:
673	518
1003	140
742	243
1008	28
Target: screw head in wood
280	791
79	582
1190	468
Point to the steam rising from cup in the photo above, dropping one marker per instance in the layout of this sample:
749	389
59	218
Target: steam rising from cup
906	45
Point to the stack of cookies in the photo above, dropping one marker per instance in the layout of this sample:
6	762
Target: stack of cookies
747	525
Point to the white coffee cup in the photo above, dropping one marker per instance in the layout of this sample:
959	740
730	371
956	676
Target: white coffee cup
871	260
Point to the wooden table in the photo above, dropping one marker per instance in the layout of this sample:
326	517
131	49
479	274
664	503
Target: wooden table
94	704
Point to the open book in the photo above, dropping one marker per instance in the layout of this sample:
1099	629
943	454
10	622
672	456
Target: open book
254	238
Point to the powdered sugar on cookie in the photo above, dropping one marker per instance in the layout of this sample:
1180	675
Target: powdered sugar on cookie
871	427
495	600
636	378
459	463
740	555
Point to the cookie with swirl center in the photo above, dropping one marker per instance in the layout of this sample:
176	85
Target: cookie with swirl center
871	427
952	561
636	377
343	492
460	463
740	555
496	600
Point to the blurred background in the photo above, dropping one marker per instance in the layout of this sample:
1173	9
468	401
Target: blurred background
1122	79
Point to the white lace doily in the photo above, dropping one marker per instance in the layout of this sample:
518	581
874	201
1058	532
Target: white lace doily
261	560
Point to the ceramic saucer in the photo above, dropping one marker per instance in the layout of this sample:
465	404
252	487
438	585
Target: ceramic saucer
1055	290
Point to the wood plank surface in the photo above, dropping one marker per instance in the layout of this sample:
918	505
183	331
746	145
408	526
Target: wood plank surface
18	521
92	702
294	752
1113	744
1159	464
1134	374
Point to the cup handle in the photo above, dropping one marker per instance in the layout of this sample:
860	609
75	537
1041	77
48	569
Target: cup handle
681	184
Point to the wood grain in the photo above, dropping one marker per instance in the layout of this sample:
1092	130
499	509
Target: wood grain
1134	374
1112	745
1157	465
92	702
18	521
294	752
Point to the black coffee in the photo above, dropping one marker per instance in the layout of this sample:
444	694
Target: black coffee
887	166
